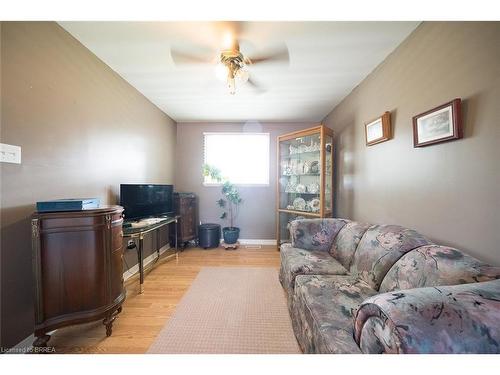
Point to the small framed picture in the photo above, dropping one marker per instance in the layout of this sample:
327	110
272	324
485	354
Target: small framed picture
378	130
440	124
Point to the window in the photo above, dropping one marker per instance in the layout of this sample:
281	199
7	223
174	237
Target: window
243	158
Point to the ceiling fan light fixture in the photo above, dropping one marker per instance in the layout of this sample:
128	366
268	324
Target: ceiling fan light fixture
230	65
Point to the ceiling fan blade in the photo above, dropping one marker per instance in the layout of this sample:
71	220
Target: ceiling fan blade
280	54
256	86
180	57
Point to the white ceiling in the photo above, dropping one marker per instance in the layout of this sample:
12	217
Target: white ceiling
327	60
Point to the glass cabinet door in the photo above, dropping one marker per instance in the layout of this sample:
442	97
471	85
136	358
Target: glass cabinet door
299	179
305	177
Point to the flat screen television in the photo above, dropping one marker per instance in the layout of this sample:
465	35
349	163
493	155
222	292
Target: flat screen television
146	200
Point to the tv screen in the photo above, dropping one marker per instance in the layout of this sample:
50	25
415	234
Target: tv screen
145	200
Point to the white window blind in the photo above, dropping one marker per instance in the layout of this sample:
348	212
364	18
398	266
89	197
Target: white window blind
243	158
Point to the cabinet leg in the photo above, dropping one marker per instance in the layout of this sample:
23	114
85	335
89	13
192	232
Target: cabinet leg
109	329
108	321
41	341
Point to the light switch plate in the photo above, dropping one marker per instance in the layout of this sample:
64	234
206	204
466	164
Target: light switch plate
10	154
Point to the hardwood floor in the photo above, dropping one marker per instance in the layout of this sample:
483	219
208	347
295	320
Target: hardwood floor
144	315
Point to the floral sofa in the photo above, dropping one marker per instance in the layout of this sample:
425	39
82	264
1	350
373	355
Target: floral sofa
360	288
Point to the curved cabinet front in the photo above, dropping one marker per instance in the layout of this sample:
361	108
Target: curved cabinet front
77	264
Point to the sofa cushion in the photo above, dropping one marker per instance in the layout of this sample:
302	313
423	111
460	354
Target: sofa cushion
380	247
323	309
435	265
304	262
315	234
346	242
444	319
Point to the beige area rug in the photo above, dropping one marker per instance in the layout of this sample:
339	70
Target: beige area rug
230	310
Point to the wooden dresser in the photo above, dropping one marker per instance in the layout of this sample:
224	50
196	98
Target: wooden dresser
78	270
186	206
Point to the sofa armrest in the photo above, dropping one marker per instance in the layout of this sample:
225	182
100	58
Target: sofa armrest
449	319
315	234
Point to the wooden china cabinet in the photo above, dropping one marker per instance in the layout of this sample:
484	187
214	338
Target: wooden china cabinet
304	177
77	264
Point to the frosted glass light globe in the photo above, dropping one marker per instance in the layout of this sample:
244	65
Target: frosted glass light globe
242	75
221	72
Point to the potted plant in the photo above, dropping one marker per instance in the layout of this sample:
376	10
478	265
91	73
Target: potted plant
229	202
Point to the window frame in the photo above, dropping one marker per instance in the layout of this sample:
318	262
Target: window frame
268	143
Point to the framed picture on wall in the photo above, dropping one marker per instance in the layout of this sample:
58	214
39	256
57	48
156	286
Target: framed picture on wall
378	130
439	124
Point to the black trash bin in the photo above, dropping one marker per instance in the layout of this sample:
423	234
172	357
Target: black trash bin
209	235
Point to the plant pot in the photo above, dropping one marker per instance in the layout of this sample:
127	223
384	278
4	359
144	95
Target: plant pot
209	235
230	234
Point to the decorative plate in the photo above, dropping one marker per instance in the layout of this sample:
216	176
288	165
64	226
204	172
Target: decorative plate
314	168
299	204
313	188
314	204
300	188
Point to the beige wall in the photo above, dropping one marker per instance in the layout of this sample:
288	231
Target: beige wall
83	131
257	215
450	191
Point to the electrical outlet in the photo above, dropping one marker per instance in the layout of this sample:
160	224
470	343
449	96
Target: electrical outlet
10	154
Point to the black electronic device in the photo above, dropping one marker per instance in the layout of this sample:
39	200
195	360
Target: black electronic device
146	200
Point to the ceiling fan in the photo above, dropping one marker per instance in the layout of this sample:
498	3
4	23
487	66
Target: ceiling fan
231	65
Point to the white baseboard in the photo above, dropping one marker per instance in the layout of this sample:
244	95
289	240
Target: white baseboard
244	241
135	269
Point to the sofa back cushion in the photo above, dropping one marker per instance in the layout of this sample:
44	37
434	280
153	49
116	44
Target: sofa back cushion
435	265
315	234
347	240
380	247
